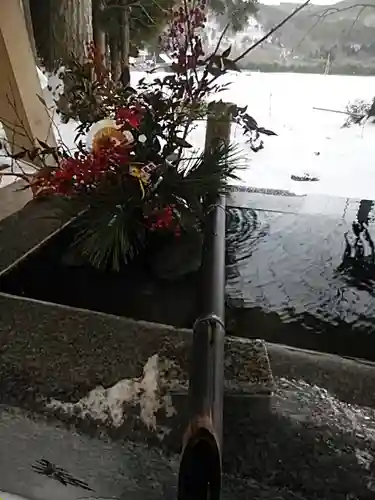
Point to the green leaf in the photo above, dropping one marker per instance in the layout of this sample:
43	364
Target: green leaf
214	71
109	234
20	155
226	52
199	177
265	131
42	100
230	65
182	143
43	144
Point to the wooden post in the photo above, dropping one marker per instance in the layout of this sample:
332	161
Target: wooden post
29	25
218	124
24	116
200	472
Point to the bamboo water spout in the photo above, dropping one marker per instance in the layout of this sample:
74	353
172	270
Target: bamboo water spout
201	462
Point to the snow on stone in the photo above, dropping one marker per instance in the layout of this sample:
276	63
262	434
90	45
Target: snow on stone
108	404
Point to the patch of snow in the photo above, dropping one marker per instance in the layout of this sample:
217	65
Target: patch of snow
108	405
166	58
42	78
320	406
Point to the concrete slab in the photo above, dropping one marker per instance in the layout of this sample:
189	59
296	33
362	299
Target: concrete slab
307	446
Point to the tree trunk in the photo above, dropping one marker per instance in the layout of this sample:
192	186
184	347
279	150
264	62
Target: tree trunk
124	42
62	28
119	41
98	33
115	57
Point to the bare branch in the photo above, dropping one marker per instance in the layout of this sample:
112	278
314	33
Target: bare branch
356	19
271	32
223	33
330	11
317	22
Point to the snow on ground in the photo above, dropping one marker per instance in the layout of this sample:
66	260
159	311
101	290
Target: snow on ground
308	141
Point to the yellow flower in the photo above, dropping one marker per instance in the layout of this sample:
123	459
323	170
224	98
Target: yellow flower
139	173
142	176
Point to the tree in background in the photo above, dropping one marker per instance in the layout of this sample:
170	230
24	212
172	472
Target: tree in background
98	32
128	25
236	13
61	28
131	24
119	28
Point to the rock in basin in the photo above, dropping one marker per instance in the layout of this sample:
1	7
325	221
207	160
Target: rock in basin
182	257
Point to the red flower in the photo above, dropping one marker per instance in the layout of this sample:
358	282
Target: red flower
165	218
130	116
85	171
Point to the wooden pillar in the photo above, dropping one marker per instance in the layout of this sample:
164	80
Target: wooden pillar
23	115
29	25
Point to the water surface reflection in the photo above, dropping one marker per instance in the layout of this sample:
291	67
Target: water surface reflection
301	271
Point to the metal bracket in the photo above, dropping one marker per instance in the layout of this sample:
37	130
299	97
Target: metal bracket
211	318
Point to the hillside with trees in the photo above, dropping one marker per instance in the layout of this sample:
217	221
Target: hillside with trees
344	33
340	34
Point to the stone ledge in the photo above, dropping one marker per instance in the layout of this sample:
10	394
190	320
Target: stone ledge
351	380
68	361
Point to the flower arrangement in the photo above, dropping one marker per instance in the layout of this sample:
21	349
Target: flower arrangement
131	170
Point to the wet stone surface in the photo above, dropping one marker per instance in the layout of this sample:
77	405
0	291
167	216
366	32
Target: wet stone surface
309	446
